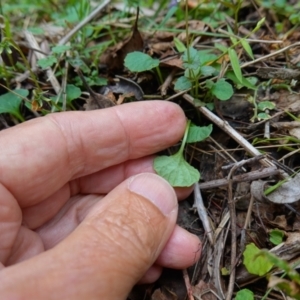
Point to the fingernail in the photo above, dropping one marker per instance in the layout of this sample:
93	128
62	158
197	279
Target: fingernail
155	189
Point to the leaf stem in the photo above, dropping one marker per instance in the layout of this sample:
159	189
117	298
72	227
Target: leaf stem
159	75
185	137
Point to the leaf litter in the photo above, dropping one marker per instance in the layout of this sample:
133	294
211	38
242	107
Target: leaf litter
232	73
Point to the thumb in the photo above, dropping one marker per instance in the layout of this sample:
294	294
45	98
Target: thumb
108	252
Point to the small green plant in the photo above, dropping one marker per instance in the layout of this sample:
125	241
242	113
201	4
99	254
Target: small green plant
140	62
260	262
260	109
254	263
175	169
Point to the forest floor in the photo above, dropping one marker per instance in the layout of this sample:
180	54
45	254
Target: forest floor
234	68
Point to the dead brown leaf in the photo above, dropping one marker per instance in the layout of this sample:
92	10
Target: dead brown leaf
114	57
288	192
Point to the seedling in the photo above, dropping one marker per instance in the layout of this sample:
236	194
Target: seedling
175	169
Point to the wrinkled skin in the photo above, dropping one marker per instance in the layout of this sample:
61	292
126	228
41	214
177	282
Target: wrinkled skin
83	216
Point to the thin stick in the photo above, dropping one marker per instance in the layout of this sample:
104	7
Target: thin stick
229	130
198	203
188	285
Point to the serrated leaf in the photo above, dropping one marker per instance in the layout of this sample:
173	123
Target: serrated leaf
176	170
254	263
47	62
139	62
235	64
198	134
244	294
207	70
263	105
247	48
276	236
182	84
191	59
222	90
10	102
60	49
179	45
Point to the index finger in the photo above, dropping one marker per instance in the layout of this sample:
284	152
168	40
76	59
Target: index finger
40	156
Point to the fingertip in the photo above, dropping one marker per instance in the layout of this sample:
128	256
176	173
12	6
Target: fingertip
182	250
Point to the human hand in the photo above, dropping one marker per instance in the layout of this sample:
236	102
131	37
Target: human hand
82	215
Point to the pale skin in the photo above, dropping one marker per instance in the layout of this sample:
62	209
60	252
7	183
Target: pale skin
82	214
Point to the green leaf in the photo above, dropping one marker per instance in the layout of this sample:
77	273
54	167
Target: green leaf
60	49
205	56
169	14
248	82
47	62
281	264
176	170
73	92
259	24
198	134
191	59
255	263
276	236
10	102
263	105
221	47
232	38
182	84
139	62
244	294
222	90
179	45
235	64
247	48
207	70
263	116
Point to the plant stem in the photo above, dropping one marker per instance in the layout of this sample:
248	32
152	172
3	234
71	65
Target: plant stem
185	137
159	75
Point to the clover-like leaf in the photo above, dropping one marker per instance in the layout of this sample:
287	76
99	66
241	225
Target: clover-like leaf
139	62
254	263
176	170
